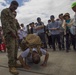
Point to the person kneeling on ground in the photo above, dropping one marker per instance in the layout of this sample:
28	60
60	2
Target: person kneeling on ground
33	57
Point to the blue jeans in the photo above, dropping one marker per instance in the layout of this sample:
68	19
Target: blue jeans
42	37
62	39
54	38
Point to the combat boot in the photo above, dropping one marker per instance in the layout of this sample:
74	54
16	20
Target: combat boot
13	70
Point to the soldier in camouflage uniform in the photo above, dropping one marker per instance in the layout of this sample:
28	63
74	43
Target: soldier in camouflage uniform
10	34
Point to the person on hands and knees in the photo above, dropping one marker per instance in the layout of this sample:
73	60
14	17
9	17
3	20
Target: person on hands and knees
34	57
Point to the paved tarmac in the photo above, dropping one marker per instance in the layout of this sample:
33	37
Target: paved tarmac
59	63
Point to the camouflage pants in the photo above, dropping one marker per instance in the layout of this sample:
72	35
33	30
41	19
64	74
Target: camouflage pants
12	49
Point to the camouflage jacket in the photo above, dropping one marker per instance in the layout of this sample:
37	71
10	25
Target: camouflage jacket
8	22
17	24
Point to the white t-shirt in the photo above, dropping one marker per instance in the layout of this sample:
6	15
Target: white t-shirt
21	34
26	52
73	27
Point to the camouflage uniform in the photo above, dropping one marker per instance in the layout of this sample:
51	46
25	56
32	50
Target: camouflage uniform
9	25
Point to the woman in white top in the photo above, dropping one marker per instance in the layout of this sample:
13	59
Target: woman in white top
67	26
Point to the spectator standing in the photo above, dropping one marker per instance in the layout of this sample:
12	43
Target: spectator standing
61	21
73	28
32	28
67	25
48	32
41	31
54	27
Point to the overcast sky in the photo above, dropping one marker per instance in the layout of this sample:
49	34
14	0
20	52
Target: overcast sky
29	10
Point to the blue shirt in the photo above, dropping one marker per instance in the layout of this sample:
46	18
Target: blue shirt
61	28
54	24
40	30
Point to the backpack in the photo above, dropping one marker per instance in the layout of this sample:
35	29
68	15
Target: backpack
31	41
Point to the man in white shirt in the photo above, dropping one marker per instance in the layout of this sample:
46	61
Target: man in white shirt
21	33
33	57
74	26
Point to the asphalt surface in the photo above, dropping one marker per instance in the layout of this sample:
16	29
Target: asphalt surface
59	63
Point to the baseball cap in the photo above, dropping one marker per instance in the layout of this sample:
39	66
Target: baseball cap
73	4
